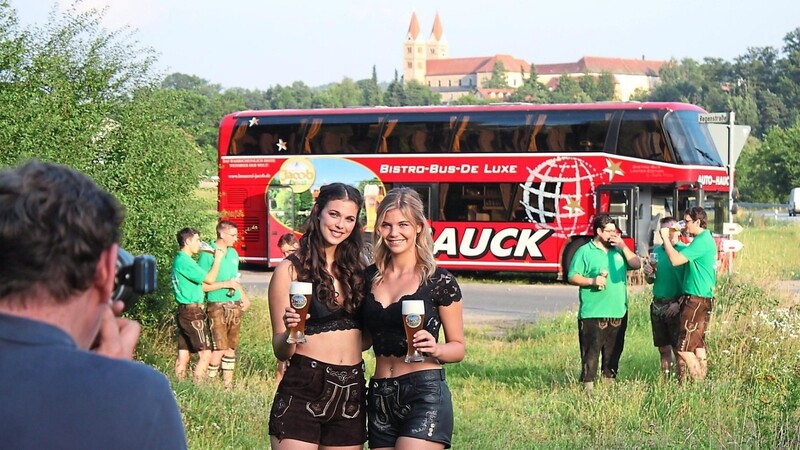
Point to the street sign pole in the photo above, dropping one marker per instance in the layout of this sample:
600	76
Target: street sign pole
731	117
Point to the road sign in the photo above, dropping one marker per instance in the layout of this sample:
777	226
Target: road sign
731	245
731	228
713	118
719	134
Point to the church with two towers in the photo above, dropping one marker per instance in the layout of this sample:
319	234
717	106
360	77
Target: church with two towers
428	62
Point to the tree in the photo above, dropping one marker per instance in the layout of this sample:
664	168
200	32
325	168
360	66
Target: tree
569	91
499	79
74	93
532	90
470	99
767	171
417	94
395	93
346	94
370	91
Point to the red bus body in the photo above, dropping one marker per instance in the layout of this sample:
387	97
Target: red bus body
508	187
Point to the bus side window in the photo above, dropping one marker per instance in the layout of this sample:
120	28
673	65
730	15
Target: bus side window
556	140
486	140
419	140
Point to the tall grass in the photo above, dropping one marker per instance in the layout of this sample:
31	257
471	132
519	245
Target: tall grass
519	389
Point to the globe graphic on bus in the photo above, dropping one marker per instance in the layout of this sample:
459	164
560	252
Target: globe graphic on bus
555	193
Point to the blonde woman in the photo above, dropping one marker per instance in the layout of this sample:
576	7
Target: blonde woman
409	403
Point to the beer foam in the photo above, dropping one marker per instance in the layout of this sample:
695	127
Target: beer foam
413	307
300	287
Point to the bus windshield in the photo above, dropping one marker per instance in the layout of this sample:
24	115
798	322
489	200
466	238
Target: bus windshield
691	141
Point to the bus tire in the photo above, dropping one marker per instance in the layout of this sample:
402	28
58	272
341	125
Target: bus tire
569	253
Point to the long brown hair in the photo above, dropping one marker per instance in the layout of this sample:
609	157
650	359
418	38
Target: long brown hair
348	264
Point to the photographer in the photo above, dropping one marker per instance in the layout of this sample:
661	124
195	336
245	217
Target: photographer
66	378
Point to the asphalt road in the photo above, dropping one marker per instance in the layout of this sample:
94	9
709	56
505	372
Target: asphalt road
483	302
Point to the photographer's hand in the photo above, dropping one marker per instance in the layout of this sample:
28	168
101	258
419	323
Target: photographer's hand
117	337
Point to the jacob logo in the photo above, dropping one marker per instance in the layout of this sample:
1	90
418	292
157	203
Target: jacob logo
298	173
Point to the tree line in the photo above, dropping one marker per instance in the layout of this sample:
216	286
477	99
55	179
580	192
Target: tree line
74	92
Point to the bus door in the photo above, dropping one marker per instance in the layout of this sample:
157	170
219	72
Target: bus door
621	202
282	217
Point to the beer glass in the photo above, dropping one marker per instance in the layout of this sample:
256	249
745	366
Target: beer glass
232	291
206	247
300	300
679	225
371	192
653	259
413	319
603	273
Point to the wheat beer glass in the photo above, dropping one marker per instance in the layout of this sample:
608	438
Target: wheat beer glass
413	318
300	300
603	273
653	259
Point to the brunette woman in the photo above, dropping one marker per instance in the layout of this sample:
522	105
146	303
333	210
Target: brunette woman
319	402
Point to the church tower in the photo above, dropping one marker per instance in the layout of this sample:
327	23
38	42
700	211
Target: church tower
414	53
437	43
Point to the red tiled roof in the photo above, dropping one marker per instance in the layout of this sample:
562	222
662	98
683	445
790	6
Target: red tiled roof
494	92
553	83
595	64
479	64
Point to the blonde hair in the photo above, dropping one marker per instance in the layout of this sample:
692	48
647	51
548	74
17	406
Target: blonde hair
408	202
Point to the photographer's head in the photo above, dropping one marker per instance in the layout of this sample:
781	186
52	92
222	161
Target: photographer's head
58	235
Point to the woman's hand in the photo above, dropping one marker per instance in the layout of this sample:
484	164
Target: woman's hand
425	343
291	318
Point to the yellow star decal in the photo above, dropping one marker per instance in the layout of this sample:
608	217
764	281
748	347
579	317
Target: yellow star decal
573	207
612	169
252	122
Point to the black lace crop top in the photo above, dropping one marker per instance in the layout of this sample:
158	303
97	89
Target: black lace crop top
323	319
386	324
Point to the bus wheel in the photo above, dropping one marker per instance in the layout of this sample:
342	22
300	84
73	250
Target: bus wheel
569	252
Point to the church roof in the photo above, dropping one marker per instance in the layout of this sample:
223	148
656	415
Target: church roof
437	30
595	64
413	28
479	64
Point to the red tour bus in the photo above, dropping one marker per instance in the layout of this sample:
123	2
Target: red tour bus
510	187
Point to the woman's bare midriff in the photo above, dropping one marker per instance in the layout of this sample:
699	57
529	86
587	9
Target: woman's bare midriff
341	348
394	366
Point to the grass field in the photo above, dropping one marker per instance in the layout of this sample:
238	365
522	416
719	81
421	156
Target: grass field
520	391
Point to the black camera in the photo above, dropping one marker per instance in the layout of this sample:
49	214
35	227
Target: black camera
135	276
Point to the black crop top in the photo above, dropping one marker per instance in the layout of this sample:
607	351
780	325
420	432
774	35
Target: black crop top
386	324
323	319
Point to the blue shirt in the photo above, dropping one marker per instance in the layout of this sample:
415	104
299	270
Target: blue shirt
57	396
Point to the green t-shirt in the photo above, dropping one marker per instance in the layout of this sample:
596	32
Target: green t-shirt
611	302
701	270
187	279
669	278
228	269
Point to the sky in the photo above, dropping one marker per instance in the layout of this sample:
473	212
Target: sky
257	44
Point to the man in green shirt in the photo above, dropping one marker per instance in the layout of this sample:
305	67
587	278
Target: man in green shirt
700	258
600	268
667	281
188	286
225	306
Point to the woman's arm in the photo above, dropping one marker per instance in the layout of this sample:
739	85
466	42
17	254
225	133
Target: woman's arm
453	348
282	316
